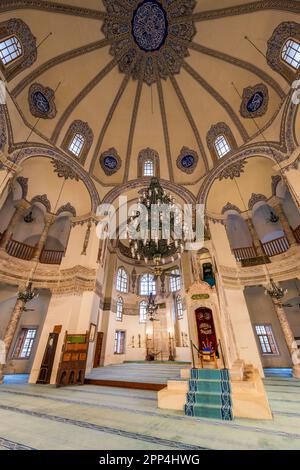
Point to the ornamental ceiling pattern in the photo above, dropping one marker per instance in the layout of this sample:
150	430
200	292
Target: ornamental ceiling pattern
155	74
150	38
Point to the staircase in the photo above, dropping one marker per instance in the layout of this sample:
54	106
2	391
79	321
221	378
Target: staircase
209	394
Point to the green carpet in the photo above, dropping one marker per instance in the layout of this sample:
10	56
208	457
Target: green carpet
209	394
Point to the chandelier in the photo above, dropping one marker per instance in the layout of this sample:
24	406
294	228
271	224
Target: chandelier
275	292
151	308
28	294
150	243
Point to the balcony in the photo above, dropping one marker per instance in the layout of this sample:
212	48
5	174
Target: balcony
19	250
51	257
297	234
244	253
276	247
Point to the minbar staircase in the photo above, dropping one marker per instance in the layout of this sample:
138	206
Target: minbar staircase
209	394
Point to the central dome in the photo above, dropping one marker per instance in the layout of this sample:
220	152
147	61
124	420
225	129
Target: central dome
149	26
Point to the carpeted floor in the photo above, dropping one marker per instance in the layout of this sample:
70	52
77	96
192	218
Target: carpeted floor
102	418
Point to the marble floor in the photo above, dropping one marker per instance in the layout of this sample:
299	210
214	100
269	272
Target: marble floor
104	418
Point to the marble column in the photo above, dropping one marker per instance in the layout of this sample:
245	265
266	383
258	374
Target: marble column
289	337
9	231
285	225
49	219
256	241
11	329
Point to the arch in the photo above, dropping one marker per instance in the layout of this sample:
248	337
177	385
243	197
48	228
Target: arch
180	191
271	152
266	230
30	225
46	151
237	230
59	233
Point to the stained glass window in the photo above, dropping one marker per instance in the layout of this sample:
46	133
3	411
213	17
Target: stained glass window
10	50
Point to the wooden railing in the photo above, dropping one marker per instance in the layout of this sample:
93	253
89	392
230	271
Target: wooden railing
247	252
297	234
51	257
276	247
19	250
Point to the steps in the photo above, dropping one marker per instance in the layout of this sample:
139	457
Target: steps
209	394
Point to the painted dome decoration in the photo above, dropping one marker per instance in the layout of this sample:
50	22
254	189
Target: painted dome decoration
150	38
41	101
149	26
187	160
110	161
255	101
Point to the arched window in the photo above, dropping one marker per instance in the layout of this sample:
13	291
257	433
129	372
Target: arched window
18	48
120	305
10	49
220	140
78	140
148	163
175	281
122	280
291	53
76	144
143	311
179	307
147	285
148	168
222	146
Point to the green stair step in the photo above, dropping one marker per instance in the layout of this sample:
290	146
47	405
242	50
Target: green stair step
209	411
208	398
209	386
210	374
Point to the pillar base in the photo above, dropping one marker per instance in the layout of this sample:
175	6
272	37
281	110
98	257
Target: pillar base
296	371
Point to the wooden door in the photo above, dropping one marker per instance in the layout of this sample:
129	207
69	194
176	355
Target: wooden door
97	356
48	359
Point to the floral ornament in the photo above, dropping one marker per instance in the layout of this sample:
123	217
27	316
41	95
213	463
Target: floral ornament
233	171
64	171
187	160
150	37
255	101
41	101
110	161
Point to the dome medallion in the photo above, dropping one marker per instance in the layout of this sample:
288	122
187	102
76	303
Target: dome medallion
150	38
149	26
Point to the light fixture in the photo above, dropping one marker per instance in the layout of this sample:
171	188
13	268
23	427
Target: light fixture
152	243
275	292
151	308
28	294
